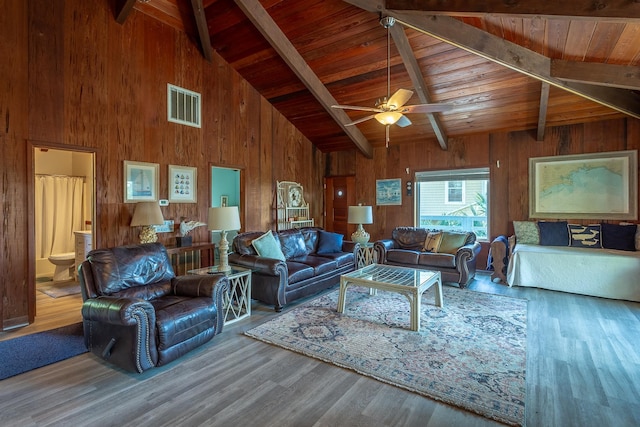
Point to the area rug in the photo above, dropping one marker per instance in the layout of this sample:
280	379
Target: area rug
471	353
33	351
59	289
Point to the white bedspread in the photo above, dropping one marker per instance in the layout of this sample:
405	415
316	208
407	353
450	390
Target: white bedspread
598	272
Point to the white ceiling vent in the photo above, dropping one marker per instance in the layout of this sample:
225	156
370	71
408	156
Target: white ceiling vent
183	106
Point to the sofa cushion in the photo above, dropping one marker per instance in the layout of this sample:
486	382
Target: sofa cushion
553	233
585	236
292	243
298	271
310	235
179	319
267	246
409	237
451	242
403	256
341	258
437	260
433	241
319	264
328	242
621	237
526	232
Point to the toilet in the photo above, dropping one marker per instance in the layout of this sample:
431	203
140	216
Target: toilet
64	265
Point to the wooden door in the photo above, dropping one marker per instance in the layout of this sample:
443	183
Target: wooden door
339	194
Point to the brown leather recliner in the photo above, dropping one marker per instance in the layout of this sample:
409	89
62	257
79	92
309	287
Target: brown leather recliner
137	314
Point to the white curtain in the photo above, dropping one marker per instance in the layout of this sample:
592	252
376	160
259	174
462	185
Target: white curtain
59	202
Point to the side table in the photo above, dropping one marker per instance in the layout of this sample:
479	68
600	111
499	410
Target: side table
366	255
237	301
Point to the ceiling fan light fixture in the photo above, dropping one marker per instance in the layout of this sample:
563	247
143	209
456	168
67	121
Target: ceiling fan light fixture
388	117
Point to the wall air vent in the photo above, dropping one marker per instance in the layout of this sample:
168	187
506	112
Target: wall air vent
183	106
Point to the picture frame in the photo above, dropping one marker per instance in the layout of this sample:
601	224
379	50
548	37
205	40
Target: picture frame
224	201
182	184
295	196
600	186
388	192
140	181
166	227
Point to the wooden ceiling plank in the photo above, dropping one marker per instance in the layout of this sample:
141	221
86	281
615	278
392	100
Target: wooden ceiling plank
542	115
419	84
270	31
125	10
610	75
203	30
578	9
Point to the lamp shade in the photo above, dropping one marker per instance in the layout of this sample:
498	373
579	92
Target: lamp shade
224	218
360	215
147	213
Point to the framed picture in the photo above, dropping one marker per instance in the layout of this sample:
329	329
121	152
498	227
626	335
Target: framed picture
166	227
295	196
183	184
140	181
224	201
388	192
586	186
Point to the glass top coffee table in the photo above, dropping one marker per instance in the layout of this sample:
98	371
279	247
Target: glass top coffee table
409	282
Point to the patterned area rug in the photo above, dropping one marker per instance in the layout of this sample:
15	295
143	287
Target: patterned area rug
471	353
59	289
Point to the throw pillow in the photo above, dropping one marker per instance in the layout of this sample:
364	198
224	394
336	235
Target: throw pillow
451	242
433	240
526	232
621	237
585	236
553	233
267	246
329	243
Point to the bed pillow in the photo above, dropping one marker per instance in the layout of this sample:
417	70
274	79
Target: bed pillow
553	233
329	243
433	240
451	242
585	236
526	232
621	237
267	246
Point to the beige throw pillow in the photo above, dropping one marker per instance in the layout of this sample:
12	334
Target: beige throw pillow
433	240
451	242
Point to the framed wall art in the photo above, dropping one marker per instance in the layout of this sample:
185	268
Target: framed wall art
584	186
224	201
140	181
388	192
183	184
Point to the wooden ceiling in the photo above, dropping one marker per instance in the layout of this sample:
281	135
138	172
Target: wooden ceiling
520	65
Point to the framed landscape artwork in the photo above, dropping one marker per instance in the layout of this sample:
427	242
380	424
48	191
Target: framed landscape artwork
140	182
388	192
585	186
183	184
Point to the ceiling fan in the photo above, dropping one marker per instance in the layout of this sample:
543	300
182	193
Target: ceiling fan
391	109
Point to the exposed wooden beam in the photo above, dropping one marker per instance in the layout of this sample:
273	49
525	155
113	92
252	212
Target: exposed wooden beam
610	10
611	75
542	114
203	30
126	6
265	24
419	84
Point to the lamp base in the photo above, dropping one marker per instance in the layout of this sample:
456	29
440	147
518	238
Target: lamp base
224	255
360	236
182	241
148	234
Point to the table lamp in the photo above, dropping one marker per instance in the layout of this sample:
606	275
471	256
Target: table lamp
360	215
224	219
147	214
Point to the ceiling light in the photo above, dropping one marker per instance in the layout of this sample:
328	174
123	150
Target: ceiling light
388	117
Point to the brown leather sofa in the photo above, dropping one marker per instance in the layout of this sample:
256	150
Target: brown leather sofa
303	272
137	314
406	249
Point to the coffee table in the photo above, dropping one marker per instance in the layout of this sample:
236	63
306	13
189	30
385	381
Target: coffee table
409	282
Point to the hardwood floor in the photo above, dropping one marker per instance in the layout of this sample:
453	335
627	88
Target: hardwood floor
583	369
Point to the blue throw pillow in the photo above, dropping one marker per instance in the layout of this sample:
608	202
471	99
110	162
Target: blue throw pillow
553	233
621	237
329	243
267	246
585	236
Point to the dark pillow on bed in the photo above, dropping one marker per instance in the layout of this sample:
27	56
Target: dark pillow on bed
329	243
585	236
553	233
622	237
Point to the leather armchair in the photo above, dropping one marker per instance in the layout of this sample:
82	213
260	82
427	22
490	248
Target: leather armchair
137	314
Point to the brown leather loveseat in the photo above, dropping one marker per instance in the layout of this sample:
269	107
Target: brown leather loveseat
454	255
137	314
307	265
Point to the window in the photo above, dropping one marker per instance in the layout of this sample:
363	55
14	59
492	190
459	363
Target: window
454	200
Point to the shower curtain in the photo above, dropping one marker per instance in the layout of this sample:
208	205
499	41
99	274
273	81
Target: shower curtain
59	205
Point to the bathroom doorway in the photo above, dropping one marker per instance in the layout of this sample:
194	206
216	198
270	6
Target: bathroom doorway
226	190
62	211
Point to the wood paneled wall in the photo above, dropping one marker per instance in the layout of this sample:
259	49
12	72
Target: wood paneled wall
73	77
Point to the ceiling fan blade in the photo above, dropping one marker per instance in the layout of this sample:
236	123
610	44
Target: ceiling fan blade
403	122
426	108
364	119
354	107
399	98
